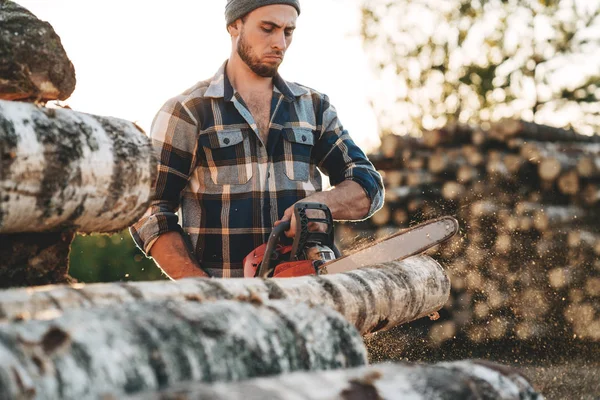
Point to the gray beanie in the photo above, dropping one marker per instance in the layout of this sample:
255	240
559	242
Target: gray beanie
238	8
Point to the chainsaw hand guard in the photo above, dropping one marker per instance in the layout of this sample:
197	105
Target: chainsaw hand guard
300	262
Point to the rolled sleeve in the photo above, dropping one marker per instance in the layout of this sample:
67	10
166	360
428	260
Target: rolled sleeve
341	159
174	138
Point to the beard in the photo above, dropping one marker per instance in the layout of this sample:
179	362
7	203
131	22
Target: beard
252	61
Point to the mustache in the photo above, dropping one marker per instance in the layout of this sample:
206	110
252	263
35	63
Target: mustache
276	53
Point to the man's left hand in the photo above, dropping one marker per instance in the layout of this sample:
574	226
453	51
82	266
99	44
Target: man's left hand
289	215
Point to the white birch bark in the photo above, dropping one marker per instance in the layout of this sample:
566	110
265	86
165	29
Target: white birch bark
452	380
90	353
373	298
66	170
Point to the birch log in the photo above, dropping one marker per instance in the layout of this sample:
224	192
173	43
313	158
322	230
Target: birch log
372	298
65	170
33	62
151	345
453	380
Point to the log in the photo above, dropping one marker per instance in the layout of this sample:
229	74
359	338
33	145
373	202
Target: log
589	166
382	217
584	240
453	191
400	217
485	209
467	174
467	379
151	345
529	130
550	217
473	156
551	167
33	63
451	134
591	194
496	168
403	194
446	162
32	259
568	182
372	298
419	178
393	146
393	178
63	170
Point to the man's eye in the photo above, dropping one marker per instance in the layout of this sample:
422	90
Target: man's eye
267	30
289	33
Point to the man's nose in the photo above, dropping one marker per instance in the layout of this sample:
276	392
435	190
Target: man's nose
280	42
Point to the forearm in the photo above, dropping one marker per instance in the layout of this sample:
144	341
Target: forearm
174	258
347	201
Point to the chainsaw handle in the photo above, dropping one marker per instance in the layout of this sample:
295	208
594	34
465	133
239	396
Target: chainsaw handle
263	269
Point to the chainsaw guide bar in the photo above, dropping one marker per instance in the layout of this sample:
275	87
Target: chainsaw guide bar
398	246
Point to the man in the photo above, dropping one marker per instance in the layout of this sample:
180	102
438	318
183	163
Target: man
237	151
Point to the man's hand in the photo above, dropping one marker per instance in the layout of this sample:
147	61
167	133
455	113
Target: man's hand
174	258
289	215
346	201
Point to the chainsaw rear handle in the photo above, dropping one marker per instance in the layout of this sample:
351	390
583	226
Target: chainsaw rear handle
263	269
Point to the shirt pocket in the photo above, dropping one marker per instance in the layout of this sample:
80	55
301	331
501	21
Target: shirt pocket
228	156
297	146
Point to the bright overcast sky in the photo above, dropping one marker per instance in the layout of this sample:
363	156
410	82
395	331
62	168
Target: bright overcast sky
131	56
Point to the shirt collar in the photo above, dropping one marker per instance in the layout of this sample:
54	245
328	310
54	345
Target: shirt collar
220	86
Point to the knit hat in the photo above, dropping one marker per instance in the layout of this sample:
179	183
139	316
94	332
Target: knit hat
238	8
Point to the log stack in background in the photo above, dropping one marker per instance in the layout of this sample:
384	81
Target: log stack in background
526	265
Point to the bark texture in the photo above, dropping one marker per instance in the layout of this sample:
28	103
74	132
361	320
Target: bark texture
373	298
146	346
456	380
31	259
62	170
33	63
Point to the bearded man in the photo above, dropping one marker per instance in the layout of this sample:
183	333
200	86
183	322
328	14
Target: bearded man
237	151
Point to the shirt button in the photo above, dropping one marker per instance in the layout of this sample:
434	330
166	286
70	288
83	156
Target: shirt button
268	174
226	140
303	138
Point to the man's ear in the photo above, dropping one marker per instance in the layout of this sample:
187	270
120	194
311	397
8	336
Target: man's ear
235	27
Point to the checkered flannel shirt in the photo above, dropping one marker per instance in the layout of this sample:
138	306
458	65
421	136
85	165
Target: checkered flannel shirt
231	187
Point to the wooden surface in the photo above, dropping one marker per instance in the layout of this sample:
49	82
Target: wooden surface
457	380
33	62
90	353
373	298
65	170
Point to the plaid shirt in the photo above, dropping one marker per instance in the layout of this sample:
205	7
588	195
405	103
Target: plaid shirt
231	187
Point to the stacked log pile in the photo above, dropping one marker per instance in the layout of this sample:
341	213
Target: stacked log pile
526	265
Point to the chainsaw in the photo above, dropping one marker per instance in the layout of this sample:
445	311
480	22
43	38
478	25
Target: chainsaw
313	251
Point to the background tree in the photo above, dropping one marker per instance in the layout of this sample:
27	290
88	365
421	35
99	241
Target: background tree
482	60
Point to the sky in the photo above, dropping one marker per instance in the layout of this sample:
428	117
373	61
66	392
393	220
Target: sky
131	56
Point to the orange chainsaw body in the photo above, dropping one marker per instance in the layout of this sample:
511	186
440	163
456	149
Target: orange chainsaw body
285	269
309	250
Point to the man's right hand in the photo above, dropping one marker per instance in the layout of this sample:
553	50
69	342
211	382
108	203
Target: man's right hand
174	258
